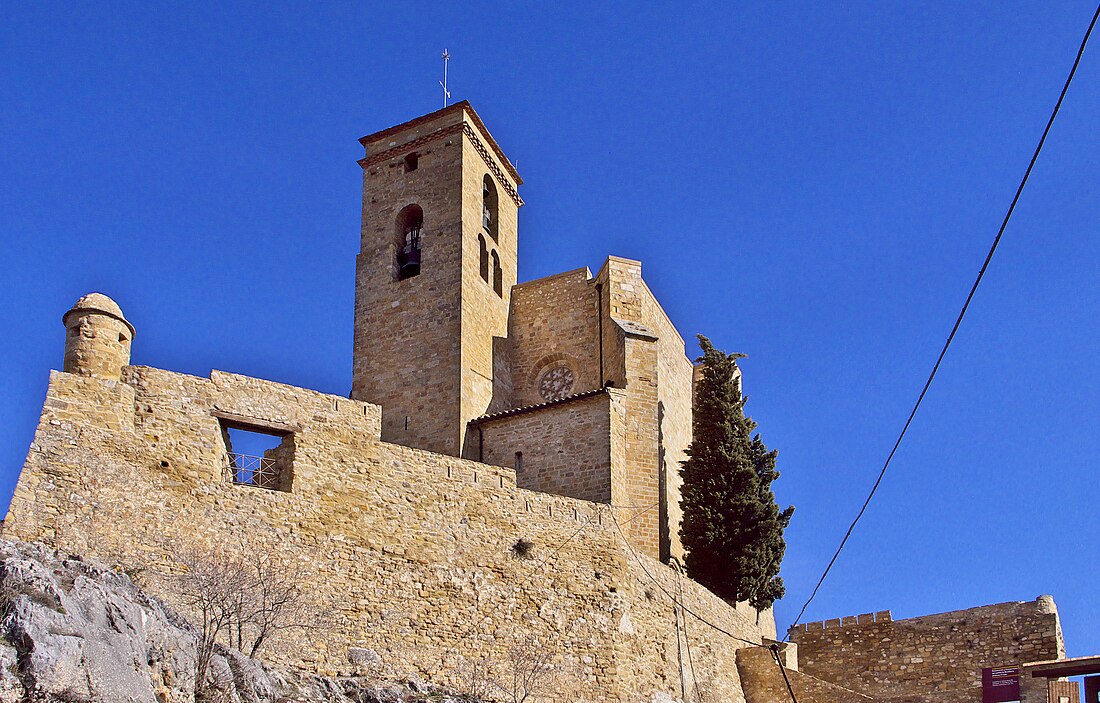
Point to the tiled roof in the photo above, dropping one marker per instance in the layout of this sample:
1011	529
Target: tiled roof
538	406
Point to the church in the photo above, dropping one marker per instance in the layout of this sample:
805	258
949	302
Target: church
504	468
578	382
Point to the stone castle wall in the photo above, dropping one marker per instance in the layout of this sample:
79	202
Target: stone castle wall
411	552
932	659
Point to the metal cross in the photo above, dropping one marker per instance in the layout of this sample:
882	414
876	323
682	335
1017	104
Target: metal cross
443	83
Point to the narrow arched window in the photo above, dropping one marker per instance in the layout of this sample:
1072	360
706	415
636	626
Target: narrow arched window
483	258
407	241
498	275
489	206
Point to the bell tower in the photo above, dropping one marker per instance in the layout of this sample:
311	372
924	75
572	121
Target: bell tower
436	265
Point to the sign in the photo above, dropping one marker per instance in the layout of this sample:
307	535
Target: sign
1000	684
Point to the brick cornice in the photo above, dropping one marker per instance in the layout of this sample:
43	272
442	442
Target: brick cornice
471	134
492	164
421	141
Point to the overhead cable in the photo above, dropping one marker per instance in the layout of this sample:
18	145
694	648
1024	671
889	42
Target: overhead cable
962	313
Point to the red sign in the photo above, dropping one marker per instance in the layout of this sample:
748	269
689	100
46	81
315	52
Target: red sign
1000	684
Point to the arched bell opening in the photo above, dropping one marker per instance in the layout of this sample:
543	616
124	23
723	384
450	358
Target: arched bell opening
407	241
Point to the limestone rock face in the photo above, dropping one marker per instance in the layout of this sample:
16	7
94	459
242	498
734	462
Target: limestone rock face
72	630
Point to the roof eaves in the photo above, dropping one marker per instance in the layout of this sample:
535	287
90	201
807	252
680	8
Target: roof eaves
538	406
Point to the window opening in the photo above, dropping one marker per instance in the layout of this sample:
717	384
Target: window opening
489	206
519	462
256	457
407	244
483	258
412	162
498	276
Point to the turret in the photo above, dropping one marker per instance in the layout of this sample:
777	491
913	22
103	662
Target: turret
97	338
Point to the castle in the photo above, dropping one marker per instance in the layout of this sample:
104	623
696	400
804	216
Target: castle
506	465
507	460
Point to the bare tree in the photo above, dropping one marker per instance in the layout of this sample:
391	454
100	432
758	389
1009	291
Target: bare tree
475	678
530	672
273	603
210	584
247	601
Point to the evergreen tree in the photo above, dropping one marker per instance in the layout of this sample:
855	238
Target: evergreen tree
732	527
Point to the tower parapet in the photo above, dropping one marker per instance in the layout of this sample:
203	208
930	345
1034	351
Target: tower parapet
97	338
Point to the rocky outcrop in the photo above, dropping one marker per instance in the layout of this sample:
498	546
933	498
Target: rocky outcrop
73	631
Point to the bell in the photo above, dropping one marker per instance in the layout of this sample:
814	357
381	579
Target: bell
411	265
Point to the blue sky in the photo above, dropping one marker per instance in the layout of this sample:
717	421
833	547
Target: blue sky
813	184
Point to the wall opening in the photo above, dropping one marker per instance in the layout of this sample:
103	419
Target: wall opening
498	276
490	207
519	462
412	162
483	258
407	241
258	457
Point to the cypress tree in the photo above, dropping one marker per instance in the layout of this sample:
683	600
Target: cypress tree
732	528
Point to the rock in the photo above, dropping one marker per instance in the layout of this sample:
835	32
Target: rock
11	688
73	630
363	659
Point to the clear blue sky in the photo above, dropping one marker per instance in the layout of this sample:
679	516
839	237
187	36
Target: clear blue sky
813	184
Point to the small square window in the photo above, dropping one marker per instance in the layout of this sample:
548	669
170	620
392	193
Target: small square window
412	162
258	457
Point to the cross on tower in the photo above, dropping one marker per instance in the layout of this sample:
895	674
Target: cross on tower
443	83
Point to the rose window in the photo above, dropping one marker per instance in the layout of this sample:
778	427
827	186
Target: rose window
556	383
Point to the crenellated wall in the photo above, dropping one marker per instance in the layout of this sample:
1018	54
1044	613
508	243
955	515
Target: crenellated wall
931	659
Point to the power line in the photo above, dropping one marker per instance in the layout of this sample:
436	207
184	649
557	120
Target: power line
542	562
962	313
783	670
671	597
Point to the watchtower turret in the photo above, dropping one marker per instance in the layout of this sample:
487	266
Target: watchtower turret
97	338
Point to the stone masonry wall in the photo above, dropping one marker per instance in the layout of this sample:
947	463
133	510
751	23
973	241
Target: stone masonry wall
424	345
640	481
764	683
406	352
629	300
932	659
554	320
484	312
565	447
674	397
411	552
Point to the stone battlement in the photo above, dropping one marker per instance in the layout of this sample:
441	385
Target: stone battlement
929	659
847	621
